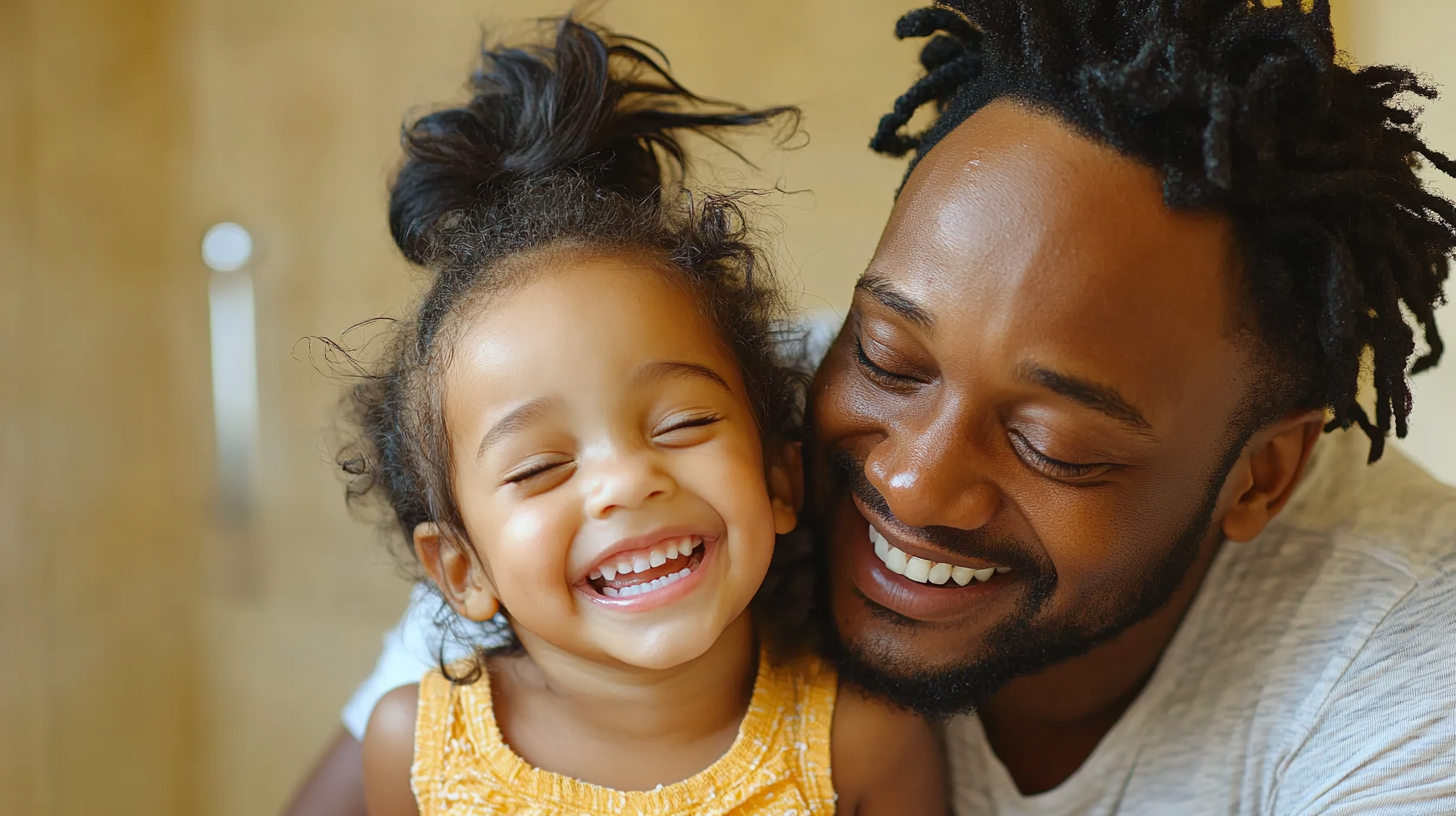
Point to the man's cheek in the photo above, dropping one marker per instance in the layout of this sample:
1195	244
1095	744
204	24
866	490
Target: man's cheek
1102	551
844	404
1089	557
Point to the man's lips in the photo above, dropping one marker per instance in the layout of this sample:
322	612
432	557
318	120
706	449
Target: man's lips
914	549
926	571
918	600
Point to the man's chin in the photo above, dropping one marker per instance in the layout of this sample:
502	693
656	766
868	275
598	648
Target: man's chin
937	669
878	663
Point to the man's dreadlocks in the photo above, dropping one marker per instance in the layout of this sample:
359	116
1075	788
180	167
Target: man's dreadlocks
1244	109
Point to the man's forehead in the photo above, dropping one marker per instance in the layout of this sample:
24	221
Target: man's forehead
1015	203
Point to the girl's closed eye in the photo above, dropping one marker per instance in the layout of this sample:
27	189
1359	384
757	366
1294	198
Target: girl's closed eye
538	470
685	429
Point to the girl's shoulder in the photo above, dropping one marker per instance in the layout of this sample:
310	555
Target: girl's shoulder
408	733
389	750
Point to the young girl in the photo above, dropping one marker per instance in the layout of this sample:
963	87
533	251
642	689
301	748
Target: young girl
586	429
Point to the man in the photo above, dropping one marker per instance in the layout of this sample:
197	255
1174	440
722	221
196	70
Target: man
1140	260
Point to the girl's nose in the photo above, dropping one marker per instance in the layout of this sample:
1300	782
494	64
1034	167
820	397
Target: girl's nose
626	481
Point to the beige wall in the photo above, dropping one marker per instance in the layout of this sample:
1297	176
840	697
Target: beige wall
1417	33
102	413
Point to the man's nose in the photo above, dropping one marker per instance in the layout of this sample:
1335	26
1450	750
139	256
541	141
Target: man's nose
929	477
625	480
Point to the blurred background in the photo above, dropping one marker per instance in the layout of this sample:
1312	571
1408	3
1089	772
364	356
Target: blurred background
185	602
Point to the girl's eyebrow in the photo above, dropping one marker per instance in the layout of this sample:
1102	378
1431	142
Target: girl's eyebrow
680	368
516	420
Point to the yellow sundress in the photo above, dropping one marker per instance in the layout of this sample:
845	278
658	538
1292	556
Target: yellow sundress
778	764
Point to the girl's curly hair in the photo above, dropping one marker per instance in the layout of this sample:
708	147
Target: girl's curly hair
571	147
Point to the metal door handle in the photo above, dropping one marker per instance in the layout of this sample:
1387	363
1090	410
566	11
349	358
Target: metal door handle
226	249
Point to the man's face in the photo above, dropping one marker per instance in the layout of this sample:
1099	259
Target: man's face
1039	372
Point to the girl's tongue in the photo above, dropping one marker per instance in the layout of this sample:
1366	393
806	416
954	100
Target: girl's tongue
635	573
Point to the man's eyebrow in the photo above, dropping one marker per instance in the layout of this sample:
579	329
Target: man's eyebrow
680	368
1101	398
885	292
515	421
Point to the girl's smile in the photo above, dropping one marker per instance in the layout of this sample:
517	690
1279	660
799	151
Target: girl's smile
651	576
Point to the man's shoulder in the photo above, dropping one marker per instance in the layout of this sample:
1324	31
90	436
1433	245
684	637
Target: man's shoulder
1362	569
1357	575
1392	514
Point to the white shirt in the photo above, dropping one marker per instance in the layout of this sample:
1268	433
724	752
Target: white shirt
413	647
1315	672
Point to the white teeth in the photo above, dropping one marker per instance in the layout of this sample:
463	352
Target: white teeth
882	547
896	560
651	586
918	570
923	571
656	557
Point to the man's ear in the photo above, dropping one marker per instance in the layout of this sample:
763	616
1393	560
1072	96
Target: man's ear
454	567
786	486
1267	473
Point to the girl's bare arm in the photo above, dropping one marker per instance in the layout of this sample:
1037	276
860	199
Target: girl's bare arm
389	751
887	761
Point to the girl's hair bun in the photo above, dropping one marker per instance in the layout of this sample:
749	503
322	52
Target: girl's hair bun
592	103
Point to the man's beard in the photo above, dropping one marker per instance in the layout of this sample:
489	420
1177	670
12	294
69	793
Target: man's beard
1020	645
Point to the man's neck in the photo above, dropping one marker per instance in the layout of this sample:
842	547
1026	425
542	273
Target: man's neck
1044	727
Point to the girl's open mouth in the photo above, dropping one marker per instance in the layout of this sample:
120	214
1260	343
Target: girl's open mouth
627	575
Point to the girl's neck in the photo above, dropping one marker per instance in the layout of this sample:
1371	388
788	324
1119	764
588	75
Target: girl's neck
684	704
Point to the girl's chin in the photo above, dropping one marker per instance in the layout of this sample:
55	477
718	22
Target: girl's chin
662	651
670	644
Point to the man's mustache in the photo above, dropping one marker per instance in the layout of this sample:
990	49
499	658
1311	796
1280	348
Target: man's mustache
979	544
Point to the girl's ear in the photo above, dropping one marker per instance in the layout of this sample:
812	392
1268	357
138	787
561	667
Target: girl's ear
786	487
456	571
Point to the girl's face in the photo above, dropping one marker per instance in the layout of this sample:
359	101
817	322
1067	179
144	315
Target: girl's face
607	464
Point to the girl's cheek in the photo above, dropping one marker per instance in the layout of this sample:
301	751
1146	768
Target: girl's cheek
536	551
524	525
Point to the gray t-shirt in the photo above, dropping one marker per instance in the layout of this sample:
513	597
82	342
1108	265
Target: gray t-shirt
1314	674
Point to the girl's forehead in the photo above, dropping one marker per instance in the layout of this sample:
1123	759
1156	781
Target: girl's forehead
583	322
